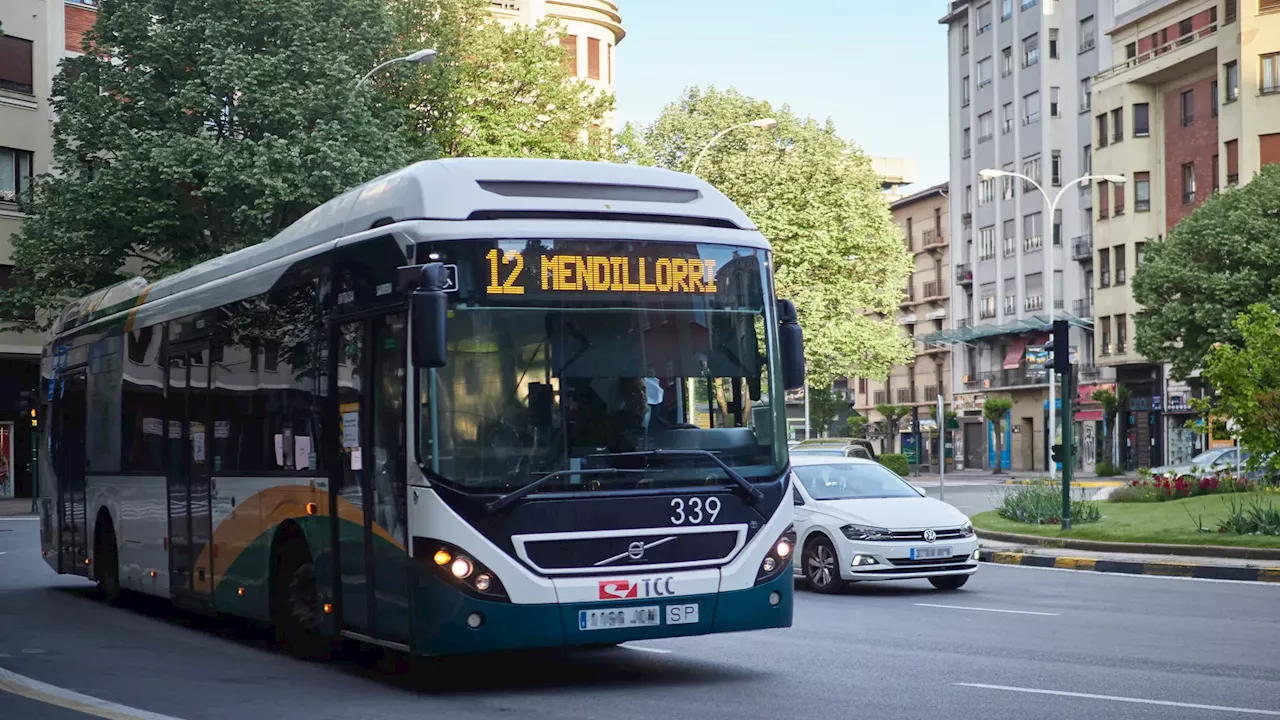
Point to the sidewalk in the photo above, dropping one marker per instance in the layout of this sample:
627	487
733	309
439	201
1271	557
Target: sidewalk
1128	563
1015	477
15	507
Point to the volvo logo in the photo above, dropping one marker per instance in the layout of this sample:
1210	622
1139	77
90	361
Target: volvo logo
635	550
930	535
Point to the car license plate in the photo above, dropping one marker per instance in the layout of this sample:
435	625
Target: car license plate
685	614
614	618
930	553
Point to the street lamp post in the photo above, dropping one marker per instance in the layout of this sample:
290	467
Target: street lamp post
762	123
991	174
422	57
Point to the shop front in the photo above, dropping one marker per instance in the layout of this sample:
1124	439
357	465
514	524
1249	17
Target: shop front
1184	432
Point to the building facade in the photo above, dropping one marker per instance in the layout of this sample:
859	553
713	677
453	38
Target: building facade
1188	103
1020	74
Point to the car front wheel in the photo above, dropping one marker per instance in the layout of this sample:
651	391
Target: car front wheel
949	582
821	566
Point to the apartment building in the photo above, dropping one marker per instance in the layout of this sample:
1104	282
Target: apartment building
1188	103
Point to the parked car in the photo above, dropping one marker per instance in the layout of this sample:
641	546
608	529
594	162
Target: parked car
1209	462
858	521
836	447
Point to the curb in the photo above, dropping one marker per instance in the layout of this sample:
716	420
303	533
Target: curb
1186	570
1213	551
1074	483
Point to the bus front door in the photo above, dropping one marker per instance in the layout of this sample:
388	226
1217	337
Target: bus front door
190	510
73	526
370	486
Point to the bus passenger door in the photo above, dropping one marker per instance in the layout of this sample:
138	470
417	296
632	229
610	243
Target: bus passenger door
73	523
190	511
371	489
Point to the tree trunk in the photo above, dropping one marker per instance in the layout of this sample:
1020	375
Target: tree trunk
999	448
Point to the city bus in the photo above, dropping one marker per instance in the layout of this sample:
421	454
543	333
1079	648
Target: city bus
472	405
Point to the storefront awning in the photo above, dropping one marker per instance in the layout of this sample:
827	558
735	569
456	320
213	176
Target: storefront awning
1089	416
1014	357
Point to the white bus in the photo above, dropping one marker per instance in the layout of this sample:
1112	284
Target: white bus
471	405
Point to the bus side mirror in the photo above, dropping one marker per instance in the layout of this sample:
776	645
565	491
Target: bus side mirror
429	307
791	341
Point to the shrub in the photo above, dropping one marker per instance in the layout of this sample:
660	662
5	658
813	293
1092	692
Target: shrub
1106	469
1040	503
1159	488
1255	516
896	462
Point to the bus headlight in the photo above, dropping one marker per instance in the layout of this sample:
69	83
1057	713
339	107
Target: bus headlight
778	559
461	567
457	567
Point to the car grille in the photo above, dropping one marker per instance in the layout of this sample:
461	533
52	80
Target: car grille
589	554
943	534
906	567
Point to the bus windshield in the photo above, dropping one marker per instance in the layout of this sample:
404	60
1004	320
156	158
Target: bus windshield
571	355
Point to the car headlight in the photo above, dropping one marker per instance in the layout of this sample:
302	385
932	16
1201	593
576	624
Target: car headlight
865	532
966	530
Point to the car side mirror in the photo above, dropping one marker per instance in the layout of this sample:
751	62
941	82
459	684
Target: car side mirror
791	343
920	491
429	307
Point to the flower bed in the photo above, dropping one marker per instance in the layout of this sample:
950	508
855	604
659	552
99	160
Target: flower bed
1159	488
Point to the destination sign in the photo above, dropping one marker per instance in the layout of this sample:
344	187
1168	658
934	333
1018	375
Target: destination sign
601	273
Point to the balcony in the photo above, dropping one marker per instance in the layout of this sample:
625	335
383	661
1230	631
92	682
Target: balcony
934	290
932	240
1034	303
1019	377
1033	243
1082	248
881	397
966	219
1082	308
1088	373
964	274
909	295
1174	58
906	396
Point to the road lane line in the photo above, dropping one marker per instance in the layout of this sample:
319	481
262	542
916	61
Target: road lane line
642	648
16	684
994	610
1118	698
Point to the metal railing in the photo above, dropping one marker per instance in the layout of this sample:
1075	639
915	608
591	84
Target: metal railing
1153	53
1082	248
932	238
964	274
935	288
905	395
1033	303
1082	308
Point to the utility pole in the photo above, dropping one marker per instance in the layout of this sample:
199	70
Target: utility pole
943	430
1065	452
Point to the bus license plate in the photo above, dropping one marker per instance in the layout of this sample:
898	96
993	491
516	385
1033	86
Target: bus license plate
930	553
612	619
686	614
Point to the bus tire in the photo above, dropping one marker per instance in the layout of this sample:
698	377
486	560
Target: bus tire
106	558
295	604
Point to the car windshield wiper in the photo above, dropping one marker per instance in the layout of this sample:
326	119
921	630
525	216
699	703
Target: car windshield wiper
753	493
505	501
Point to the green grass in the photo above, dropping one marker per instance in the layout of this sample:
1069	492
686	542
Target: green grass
1162	522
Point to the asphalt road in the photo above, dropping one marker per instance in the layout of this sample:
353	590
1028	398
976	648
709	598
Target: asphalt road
1006	646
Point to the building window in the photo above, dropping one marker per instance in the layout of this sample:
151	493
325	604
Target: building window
964	39
987	309
1086	95
1106	334
1006	62
1030	50
987	243
1184	30
1028	4
1006	10
15	175
1268	149
1268	5
1031	169
16	64
1231	72
1139	254
593	58
1188	105
1117	125
984	18
986	127
1010	296
1010	238
1104	200
1213	173
1270	72
1233	162
968	197
1118	207
1086	160
1188	183
1006	118
1130	51
1055	168
984	72
986	191
964	91
1055	110
967	149
1142	192
1031	108
609	61
1057	226
1087	37
1032	232
1122	332
1007	184
1102	130
1104	267
1213	99
1141	120
570	45
1232	11
1053	43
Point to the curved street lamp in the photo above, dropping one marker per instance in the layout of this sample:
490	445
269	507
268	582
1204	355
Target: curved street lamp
422	57
991	174
762	123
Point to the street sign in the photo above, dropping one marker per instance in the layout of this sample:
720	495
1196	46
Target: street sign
451	278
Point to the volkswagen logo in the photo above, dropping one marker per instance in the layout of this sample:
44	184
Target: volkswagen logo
635	550
930	535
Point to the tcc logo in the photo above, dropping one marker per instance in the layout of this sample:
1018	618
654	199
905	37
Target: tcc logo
618	589
646	587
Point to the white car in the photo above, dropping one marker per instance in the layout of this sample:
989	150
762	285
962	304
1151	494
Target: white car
857	521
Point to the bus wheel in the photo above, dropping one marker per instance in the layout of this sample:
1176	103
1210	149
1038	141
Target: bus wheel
295	606
107	559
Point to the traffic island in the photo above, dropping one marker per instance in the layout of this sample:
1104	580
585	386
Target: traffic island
1130	564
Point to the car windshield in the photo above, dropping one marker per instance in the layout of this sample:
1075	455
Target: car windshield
1206	458
852	481
564	354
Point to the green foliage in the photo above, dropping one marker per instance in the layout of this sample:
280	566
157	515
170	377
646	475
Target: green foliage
857	426
1210	268
1106	469
896	462
1256	515
197	127
838	254
824	407
1245	380
1040	503
893	415
493	91
994	409
1162	488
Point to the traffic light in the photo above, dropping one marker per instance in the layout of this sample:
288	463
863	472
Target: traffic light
1056	453
1061	347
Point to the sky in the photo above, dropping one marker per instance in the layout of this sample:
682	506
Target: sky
877	68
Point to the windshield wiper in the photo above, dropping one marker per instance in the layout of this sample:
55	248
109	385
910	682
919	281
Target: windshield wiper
505	501
753	493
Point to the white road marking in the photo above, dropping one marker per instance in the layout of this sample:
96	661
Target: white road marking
642	648
1118	698
994	610
61	697
989	566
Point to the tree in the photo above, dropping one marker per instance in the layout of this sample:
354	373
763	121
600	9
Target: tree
857	426
1210	268
994	409
1245	380
838	255
494	90
824	407
191	128
893	415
